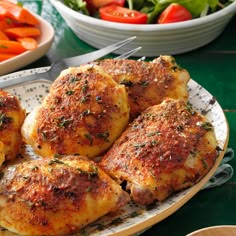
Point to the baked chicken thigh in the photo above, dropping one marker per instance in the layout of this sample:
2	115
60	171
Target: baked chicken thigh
56	196
169	147
148	83
84	112
12	116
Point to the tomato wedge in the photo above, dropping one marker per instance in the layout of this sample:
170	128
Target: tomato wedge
122	15
174	13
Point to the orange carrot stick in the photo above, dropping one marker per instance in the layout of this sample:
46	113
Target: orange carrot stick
28	43
9	46
6	56
5	23
22	32
3	36
16	12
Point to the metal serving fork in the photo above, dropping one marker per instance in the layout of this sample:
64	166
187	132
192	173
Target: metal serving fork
62	64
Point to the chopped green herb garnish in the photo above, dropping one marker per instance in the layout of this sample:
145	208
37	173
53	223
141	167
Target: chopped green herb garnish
34	168
85	87
89	137
3	46
92	173
57	156
85	98
64	122
73	79
126	82
205	125
56	161
204	164
98	99
9	21
153	133
4	120
154	143
69	92
86	112
103	136
143	83
190	109
180	128
89	189
44	135
139	145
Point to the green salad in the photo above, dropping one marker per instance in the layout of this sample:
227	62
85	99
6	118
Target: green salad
197	8
151	8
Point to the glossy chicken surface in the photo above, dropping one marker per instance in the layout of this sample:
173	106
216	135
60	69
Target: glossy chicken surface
168	148
148	83
12	116
56	196
85	111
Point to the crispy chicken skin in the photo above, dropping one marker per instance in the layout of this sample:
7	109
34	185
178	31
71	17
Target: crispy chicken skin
12	116
168	148
148	83
85	111
56	196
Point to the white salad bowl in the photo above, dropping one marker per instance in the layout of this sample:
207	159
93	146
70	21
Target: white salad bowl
155	39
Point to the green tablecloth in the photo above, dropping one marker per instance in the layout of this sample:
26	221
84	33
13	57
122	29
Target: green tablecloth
212	66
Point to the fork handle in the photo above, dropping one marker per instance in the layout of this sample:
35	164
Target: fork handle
24	80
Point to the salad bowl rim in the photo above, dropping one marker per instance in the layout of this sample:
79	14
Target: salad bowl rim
229	11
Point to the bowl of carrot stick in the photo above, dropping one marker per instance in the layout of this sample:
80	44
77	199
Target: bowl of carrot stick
24	36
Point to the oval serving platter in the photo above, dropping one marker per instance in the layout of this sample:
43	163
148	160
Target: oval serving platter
133	219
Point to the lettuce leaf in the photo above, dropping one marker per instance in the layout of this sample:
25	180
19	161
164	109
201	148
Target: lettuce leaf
77	5
154	7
